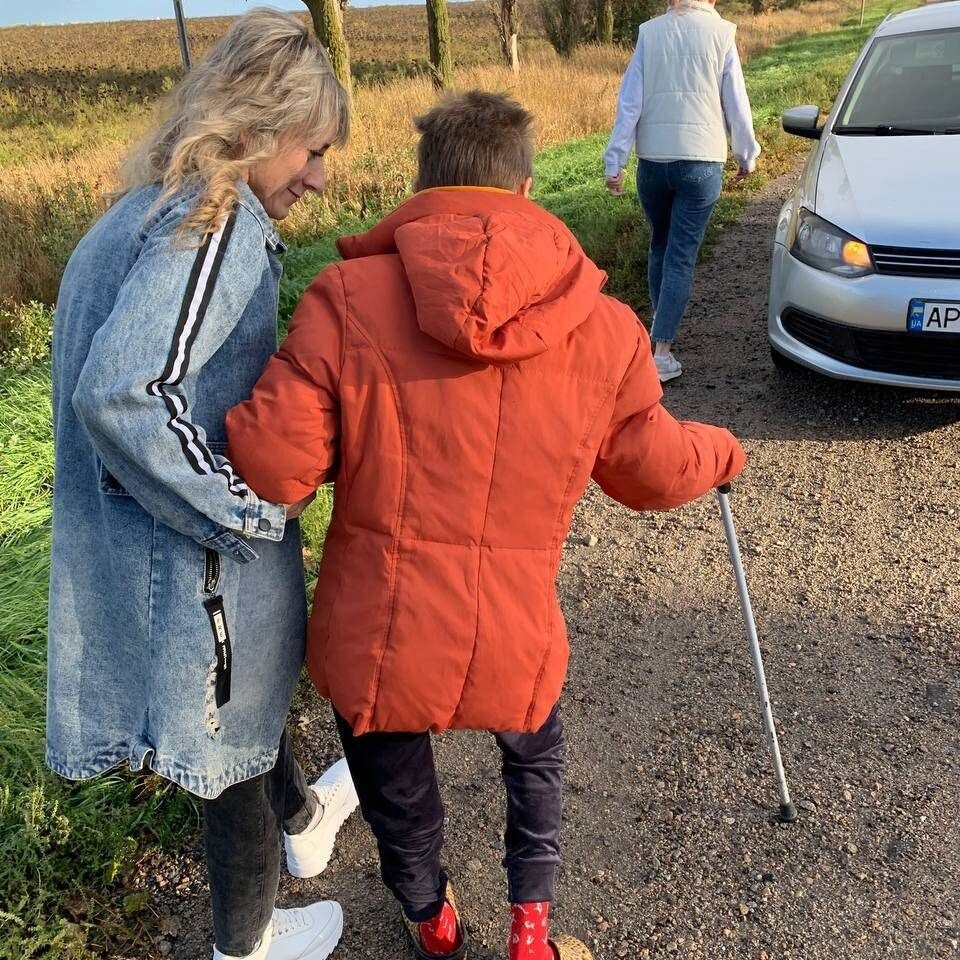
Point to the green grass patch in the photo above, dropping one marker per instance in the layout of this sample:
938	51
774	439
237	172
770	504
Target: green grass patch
24	335
64	848
301	263
59	134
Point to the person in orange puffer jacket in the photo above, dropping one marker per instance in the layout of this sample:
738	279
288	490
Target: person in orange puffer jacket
461	377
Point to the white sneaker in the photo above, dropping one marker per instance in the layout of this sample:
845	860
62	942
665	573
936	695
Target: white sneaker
308	853
668	367
303	933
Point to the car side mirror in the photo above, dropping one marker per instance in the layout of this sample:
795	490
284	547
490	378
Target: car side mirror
803	121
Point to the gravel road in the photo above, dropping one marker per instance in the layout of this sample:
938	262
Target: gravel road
848	519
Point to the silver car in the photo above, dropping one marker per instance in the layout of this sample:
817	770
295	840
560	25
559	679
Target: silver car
865	281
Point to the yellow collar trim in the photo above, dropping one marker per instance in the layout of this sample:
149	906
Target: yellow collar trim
450	189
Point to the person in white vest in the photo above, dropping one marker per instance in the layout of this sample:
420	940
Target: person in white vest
682	94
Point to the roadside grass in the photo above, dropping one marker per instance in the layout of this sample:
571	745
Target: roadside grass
62	847
57	171
65	87
65	850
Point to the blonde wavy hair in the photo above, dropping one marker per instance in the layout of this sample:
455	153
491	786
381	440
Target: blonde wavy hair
266	83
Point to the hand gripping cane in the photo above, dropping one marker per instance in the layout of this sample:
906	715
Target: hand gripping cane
788	812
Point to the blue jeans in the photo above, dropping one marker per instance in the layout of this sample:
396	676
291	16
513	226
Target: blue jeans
678	198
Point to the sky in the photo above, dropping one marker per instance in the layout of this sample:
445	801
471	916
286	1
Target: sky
71	11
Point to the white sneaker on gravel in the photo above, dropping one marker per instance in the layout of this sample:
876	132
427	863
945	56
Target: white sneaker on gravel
303	933
308	853
668	367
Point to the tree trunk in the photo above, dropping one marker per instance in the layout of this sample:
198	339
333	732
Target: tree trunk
563	23
510	21
507	18
441	54
327	17
605	21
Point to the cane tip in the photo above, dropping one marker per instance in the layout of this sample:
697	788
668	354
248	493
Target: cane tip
788	813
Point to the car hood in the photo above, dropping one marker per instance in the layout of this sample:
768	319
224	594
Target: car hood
896	191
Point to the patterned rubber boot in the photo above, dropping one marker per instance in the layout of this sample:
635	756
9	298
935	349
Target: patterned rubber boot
444	936
530	936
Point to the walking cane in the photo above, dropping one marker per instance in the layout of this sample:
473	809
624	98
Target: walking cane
788	812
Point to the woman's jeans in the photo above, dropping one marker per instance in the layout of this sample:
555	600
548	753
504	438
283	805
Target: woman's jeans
242	835
678	198
399	797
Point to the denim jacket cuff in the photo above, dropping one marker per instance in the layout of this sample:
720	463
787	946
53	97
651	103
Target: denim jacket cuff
230	545
263	519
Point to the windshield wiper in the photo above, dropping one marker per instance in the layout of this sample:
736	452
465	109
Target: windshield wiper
884	130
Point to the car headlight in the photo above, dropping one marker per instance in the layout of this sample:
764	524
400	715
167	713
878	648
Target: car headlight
822	245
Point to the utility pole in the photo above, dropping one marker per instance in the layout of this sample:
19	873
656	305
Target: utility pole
182	31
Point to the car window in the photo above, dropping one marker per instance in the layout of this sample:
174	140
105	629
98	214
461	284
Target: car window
906	84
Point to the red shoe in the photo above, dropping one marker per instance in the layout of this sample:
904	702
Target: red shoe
416	941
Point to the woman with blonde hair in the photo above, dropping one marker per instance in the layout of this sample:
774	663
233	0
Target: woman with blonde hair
177	613
681	96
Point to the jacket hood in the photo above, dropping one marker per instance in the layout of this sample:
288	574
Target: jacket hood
493	275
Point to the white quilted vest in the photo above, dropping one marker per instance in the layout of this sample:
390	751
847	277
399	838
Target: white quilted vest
683	55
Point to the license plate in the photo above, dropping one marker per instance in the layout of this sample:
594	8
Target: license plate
934	316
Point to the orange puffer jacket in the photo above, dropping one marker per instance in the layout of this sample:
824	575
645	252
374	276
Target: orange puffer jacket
461	378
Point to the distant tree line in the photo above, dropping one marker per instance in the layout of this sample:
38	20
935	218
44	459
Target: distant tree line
567	24
327	17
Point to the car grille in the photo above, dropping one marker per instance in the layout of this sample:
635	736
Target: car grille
908	262
935	356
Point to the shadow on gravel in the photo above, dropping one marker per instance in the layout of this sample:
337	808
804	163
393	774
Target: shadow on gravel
801	405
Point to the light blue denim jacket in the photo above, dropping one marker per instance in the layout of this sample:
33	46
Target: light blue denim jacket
177	606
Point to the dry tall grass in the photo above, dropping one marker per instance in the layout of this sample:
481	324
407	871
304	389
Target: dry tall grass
45	206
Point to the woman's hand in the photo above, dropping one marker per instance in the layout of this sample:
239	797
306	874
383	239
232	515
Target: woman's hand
615	184
295	509
742	175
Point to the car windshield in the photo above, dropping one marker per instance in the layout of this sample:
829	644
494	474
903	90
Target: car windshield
907	84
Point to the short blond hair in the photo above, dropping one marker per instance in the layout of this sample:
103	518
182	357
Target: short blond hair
266	80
